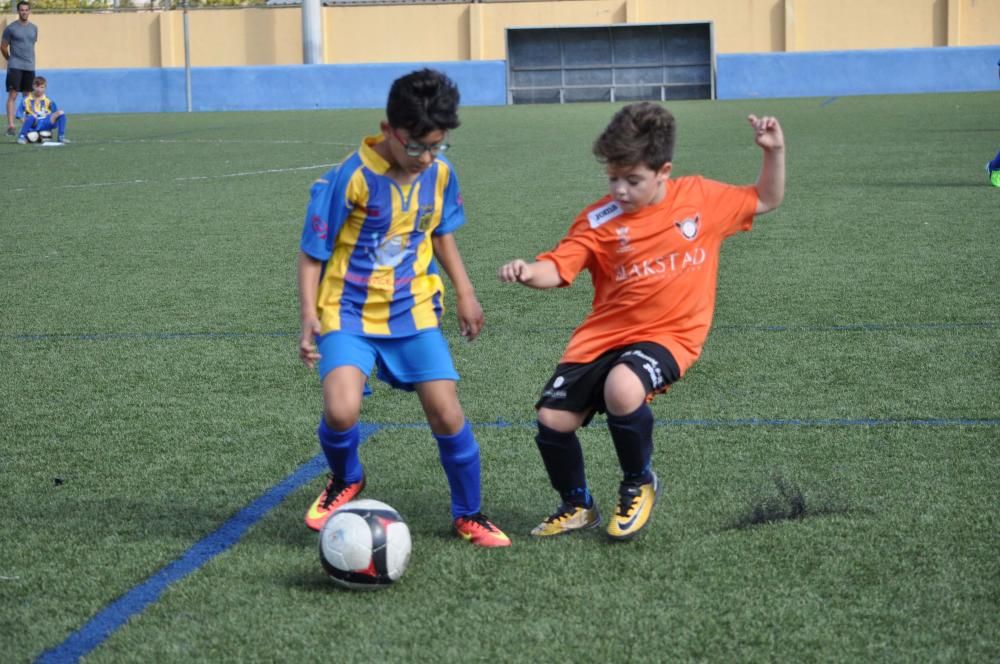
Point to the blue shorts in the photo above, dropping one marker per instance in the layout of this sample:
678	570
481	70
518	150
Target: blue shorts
401	362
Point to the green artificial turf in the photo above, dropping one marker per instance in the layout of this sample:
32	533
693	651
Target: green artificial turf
830	464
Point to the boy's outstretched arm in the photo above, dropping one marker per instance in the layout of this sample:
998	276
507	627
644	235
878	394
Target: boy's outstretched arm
470	312
771	181
540	274
309	272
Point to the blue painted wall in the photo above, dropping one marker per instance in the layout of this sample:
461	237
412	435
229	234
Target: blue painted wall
760	75
835	73
297	87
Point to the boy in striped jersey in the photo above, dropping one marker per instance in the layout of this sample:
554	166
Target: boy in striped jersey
371	294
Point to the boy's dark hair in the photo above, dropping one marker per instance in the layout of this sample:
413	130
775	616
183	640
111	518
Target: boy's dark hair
638	133
423	101
25	3
39	80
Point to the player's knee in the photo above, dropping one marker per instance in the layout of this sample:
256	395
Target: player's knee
446	420
623	391
563	421
442	408
341	415
623	403
339	421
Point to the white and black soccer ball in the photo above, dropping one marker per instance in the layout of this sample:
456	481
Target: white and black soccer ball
365	545
33	137
44	135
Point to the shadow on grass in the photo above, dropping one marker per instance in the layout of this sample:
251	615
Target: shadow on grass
789	503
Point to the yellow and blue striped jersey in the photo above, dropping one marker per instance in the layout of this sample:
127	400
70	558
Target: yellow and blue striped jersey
374	236
39	107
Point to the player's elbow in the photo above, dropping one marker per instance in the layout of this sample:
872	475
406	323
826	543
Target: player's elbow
770	203
308	261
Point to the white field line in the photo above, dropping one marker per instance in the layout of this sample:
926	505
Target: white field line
223	141
186	178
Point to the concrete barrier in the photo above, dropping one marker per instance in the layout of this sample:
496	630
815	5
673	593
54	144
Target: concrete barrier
483	83
842	73
298	87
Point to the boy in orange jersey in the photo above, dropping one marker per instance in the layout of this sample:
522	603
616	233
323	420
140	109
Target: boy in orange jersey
652	248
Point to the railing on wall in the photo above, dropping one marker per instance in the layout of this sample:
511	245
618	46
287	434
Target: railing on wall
655	62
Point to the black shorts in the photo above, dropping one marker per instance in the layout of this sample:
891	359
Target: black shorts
22	80
579	387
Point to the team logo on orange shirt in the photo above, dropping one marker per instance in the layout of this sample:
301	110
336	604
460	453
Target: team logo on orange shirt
623	240
689	227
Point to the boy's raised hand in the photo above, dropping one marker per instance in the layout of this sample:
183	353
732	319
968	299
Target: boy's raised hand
767	132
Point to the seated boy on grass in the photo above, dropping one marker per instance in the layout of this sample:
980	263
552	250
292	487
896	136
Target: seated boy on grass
41	114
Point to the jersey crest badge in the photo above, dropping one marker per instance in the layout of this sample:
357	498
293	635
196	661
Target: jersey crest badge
689	227
623	240
426	214
604	214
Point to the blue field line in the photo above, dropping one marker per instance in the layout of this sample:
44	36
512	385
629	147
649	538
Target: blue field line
722	327
834	422
828	101
736	422
109	619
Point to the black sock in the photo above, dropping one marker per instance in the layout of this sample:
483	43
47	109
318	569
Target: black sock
563	459
633	438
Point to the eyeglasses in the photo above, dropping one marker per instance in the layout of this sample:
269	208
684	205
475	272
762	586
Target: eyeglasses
417	149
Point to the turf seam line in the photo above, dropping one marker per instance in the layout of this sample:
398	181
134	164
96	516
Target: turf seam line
848	327
185	178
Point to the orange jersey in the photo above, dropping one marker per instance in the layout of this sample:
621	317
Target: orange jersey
654	271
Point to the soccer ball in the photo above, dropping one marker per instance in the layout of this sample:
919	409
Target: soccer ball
38	136
365	545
